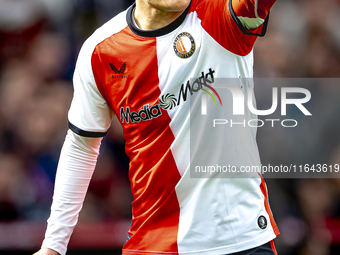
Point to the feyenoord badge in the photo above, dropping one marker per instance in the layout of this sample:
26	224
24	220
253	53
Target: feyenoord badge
262	222
184	45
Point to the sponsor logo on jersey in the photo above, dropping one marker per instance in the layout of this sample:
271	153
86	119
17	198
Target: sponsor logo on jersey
147	113
170	101
118	73
184	45
199	84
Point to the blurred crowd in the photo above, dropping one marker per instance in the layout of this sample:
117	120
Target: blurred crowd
39	43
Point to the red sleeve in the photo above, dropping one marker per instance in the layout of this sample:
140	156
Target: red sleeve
220	19
252	8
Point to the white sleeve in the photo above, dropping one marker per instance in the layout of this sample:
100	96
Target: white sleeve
75	168
89	114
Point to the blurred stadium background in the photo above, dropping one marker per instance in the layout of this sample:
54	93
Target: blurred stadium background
39	43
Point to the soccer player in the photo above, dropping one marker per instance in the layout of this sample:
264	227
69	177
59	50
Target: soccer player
137	67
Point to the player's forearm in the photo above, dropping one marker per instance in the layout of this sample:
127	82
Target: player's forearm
76	165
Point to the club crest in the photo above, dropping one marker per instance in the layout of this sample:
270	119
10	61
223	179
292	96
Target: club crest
184	45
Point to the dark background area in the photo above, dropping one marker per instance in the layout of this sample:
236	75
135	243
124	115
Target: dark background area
39	44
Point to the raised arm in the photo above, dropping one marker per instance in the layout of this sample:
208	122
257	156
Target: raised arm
234	24
251	13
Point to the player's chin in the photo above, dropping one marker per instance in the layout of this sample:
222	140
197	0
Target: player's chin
179	5
172	5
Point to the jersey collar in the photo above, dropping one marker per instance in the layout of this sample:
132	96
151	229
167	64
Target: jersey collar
158	32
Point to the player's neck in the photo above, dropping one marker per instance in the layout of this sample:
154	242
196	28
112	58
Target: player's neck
150	18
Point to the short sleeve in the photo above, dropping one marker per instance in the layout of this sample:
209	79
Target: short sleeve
89	115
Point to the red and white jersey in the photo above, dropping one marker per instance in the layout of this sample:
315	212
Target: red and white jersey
130	73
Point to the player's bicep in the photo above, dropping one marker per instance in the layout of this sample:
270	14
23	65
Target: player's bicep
234	24
250	15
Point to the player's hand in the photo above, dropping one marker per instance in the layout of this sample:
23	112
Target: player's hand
46	251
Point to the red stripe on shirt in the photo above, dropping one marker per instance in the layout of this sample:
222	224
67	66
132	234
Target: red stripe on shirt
263	188
153	172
